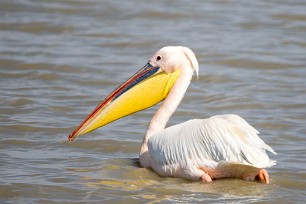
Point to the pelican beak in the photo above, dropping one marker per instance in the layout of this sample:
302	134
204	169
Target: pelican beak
144	89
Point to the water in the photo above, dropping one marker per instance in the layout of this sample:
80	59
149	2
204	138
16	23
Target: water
59	59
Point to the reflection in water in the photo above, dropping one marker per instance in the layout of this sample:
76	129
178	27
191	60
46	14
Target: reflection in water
131	178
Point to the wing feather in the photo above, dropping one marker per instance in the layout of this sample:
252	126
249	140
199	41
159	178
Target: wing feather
219	138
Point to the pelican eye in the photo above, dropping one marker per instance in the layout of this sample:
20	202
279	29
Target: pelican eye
158	58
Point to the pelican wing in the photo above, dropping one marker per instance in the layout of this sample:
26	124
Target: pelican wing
222	138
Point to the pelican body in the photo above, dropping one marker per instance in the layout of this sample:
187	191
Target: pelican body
201	149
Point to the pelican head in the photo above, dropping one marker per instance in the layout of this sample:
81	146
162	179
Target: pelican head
172	58
147	87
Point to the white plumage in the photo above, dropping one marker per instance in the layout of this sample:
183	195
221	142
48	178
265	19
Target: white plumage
228	139
217	147
218	138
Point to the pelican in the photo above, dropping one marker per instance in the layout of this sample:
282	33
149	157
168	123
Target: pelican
222	146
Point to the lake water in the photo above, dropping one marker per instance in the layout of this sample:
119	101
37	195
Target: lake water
59	59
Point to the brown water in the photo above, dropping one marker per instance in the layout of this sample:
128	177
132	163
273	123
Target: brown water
59	58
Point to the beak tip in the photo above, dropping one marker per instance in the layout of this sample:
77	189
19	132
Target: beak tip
70	138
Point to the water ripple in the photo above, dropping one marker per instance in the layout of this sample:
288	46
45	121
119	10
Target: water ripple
59	59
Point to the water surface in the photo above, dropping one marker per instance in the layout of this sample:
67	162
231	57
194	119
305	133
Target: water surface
59	59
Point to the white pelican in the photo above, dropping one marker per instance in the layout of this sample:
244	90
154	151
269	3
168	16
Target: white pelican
217	147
